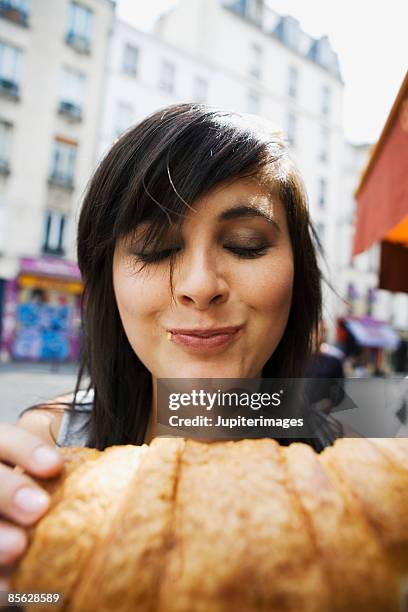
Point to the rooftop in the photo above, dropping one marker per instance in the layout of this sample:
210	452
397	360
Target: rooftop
287	30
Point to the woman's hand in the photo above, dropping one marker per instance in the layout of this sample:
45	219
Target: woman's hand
22	501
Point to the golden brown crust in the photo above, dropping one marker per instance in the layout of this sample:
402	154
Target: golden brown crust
346	544
184	526
124	569
240	540
85	501
396	449
380	486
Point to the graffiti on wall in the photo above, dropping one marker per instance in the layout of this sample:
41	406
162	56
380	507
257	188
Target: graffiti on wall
43	319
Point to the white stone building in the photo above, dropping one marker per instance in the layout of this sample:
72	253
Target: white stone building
52	57
143	74
52	60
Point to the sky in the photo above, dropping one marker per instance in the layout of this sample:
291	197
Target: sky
369	36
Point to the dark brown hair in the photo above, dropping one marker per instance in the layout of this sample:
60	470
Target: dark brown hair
155	171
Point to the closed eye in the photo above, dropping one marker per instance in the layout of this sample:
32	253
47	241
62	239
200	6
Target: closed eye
155	256
241	252
248	253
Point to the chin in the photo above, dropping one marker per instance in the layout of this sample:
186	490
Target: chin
208	371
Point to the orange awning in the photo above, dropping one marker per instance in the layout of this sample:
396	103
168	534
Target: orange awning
399	233
382	198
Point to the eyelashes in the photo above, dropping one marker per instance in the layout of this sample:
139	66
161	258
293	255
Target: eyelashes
240	252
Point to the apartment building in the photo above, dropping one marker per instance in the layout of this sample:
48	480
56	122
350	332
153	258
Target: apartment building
52	59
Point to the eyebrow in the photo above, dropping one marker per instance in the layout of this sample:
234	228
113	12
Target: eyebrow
246	212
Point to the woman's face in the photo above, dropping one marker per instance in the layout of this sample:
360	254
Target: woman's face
232	282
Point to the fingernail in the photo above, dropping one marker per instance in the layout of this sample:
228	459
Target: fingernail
4	584
45	456
31	500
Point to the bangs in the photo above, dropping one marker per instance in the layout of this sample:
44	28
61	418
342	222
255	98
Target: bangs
180	154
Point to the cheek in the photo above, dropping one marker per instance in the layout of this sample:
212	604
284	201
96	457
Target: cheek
139	299
269	291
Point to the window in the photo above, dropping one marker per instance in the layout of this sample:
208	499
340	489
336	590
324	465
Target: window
15	10
323	54
79	27
324	144
254	10
5	146
322	195
54	232
130	60
293	77
321	229
373	258
253	103
10	67
325	100
63	163
72	93
124	118
370	300
3	221
255	61
291	125
167	74
200	90
288	31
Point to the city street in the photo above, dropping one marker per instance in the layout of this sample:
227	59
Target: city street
24	384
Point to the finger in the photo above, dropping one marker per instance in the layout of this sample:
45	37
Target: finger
4	584
20	447
13	542
21	499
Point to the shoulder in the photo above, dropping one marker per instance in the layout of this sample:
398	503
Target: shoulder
45	420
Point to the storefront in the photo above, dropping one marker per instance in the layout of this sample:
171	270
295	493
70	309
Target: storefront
41	311
366	341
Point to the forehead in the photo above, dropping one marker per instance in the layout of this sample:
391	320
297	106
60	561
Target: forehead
248	192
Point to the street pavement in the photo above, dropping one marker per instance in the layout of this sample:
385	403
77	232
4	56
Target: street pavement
24	384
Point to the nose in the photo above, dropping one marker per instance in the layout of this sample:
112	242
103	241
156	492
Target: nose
199	282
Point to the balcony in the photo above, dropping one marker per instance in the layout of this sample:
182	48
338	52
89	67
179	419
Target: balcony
54	251
9	88
80	43
4	167
71	111
251	10
17	15
64	181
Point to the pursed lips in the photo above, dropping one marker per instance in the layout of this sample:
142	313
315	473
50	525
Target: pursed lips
204	340
206	332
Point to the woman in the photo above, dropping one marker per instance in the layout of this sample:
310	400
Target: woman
196	250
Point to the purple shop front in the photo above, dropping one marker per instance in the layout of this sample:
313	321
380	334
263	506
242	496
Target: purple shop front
41	313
